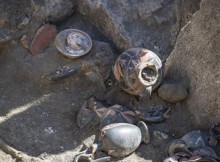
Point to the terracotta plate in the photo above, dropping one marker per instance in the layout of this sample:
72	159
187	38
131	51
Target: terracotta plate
73	43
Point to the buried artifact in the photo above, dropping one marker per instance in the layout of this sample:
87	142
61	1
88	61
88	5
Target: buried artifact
138	71
197	138
73	43
93	113
194	146
118	140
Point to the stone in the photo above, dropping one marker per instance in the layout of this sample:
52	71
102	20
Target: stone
52	10
132	23
5	35
172	92
25	17
195	61
4	18
42	39
188	8
23	23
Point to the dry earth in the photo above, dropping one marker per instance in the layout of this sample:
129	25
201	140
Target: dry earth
37	116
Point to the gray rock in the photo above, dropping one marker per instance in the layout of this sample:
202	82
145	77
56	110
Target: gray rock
172	92
55	10
5	35
23	23
25	16
188	8
15	17
195	60
150	24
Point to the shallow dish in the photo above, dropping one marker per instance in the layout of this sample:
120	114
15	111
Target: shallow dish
73	43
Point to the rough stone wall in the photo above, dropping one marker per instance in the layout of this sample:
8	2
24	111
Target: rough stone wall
146	23
26	16
129	23
195	60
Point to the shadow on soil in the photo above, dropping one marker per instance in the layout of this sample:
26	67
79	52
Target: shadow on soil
38	117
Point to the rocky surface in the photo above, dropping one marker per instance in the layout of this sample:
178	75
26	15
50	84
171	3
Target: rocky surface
25	17
52	11
195	61
150	24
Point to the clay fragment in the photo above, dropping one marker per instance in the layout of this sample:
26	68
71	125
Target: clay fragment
42	39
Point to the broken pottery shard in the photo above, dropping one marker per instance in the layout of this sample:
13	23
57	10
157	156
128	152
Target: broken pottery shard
42	39
176	145
155	116
206	152
94	112
196	139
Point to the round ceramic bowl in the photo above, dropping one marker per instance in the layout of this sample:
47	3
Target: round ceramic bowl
73	43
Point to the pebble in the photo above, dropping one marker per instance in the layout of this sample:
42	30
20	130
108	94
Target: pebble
24	41
172	92
160	135
5	35
23	23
